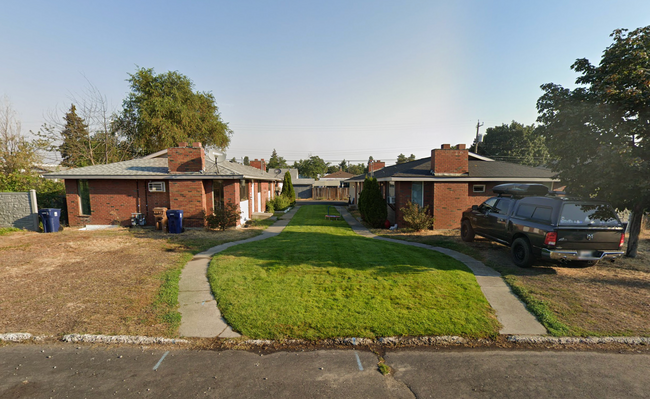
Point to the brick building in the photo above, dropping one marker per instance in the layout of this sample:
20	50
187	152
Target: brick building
184	178
450	181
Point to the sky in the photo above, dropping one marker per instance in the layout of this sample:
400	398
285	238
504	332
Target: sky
337	79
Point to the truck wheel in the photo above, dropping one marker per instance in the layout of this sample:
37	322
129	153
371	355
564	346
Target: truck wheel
466	231
522	253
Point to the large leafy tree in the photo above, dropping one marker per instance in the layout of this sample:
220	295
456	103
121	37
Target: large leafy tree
311	167
515	143
598	133
276	162
163	109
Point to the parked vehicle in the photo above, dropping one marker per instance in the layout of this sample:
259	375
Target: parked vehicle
536	223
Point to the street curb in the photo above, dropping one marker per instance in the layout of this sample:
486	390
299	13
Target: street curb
383	341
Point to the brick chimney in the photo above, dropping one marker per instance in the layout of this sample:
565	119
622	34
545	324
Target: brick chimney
449	161
374	166
183	159
261	165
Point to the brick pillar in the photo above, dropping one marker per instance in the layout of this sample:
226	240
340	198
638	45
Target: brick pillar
451	161
183	159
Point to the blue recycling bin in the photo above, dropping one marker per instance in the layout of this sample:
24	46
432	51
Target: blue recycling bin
175	221
50	218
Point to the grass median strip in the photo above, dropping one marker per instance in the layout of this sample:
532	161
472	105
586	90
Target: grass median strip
318	279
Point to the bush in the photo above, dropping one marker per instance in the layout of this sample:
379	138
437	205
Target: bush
224	217
417	218
280	203
371	203
270	207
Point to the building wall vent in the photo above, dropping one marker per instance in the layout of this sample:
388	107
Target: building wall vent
157	187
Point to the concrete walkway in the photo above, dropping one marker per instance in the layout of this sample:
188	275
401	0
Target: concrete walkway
200	316
510	311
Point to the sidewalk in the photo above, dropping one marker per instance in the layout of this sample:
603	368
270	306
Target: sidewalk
200	316
510	311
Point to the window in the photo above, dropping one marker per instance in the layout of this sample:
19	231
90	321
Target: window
525	211
503	206
542	214
487	205
417	193
243	190
157	186
84	197
217	194
478	188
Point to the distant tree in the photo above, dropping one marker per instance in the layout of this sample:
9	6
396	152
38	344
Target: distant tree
401	158
311	167
287	187
86	134
344	165
514	143
246	161
162	110
411	158
77	147
233	160
357	169
371	203
17	153
599	133
333	169
276	162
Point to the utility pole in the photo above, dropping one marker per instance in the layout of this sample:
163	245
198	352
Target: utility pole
478	125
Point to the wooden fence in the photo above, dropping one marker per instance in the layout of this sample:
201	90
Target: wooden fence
331	193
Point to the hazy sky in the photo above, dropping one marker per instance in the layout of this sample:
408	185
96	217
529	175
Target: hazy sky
337	79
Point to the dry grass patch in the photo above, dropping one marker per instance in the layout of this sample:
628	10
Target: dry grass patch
106	281
606	299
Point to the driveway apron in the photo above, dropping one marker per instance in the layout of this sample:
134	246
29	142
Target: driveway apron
200	315
510	311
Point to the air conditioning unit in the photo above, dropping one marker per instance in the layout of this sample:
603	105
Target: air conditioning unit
157	186
390	200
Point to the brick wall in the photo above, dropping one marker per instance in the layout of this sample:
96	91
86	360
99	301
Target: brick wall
188	196
374	166
111	202
231	193
402	196
186	159
153	200
450	200
450	160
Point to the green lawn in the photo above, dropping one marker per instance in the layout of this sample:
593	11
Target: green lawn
318	279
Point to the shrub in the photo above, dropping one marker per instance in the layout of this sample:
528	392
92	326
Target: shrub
371	203
280	203
270	207
224	217
417	218
287	188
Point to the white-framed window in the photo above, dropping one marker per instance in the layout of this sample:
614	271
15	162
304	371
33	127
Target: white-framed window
478	188
156	186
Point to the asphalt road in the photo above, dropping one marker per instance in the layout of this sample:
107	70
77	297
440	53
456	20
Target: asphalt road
62	371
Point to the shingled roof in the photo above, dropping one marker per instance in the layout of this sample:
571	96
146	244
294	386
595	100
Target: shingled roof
480	168
155	166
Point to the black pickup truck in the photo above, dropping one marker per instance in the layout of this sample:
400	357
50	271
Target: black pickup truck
537	223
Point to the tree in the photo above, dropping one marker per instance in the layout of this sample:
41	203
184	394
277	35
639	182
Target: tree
233	160
333	169
276	162
411	158
77	147
598	133
87	134
163	110
371	203
17	153
246	161
401	158
287	187
357	169
344	165
514	143
311	167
